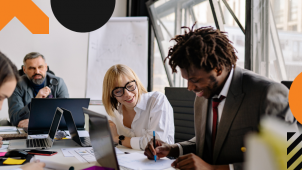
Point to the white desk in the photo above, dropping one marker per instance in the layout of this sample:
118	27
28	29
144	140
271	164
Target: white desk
72	161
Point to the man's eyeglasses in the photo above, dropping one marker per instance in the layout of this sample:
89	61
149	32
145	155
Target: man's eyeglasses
119	91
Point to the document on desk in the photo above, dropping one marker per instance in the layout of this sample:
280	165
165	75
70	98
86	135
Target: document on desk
8	129
84	155
67	151
140	161
4	147
41	136
82	133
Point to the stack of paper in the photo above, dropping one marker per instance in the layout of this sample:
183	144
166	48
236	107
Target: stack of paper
8	130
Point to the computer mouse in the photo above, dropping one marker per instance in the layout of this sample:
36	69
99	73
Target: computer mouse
16	153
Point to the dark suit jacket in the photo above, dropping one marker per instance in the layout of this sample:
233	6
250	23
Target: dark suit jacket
250	96
19	101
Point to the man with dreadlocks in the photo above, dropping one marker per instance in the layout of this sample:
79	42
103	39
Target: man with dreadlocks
229	102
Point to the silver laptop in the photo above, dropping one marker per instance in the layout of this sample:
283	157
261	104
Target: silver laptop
83	141
44	143
101	140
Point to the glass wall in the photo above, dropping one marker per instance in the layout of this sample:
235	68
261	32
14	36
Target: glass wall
170	15
277	38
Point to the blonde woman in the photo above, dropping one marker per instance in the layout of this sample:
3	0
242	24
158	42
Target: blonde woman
134	112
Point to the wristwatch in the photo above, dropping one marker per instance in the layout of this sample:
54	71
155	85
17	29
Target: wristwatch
121	138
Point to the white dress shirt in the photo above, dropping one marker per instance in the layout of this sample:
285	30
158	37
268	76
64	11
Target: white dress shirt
220	107
153	113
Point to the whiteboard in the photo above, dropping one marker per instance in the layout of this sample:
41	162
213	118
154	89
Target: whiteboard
122	40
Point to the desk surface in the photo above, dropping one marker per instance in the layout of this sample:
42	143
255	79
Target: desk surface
59	157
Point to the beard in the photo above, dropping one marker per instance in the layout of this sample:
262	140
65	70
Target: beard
37	81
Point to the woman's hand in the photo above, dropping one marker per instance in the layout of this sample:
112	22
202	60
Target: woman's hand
113	131
33	166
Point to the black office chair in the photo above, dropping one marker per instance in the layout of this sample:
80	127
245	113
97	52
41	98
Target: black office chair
182	102
287	83
21	73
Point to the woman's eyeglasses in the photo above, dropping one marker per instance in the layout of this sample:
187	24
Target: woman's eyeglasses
119	91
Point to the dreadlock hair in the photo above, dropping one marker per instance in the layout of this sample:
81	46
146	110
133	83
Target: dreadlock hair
204	47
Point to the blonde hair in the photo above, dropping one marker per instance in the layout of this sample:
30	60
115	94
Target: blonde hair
113	75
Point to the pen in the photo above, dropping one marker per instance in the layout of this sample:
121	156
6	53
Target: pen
154	144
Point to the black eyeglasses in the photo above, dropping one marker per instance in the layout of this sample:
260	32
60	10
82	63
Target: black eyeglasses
119	91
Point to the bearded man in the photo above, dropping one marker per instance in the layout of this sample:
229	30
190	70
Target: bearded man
35	83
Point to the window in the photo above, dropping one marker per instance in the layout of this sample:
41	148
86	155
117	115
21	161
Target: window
170	16
277	54
293	10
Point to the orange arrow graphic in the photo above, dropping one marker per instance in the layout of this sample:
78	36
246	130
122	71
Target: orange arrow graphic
28	13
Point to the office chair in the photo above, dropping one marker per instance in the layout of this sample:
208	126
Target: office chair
287	83
21	73
182	102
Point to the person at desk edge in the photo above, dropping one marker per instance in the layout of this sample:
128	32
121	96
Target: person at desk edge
33	84
229	102
134	112
8	81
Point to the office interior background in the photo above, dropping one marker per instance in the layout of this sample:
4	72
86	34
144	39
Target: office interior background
266	34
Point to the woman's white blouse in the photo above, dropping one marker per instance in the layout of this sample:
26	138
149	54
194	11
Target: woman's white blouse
153	113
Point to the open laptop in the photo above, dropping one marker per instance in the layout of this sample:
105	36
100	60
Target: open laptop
83	141
44	143
42	111
101	140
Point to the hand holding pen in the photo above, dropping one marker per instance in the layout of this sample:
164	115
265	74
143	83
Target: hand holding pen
157	148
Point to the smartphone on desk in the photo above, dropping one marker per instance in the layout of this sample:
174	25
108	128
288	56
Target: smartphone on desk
39	152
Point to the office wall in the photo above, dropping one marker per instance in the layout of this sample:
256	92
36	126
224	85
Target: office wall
65	50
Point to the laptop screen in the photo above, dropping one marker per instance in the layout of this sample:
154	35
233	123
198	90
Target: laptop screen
101	140
42	112
71	126
55	123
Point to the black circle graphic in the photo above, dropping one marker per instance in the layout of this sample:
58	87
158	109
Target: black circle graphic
82	15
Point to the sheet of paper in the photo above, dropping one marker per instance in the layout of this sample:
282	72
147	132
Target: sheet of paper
2	153
10	161
66	151
83	133
4	147
117	151
140	161
84	155
38	136
10	132
8	129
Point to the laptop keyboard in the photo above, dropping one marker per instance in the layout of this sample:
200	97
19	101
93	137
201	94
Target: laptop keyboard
30	143
85	141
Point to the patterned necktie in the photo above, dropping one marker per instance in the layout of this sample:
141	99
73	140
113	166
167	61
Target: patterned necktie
215	104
